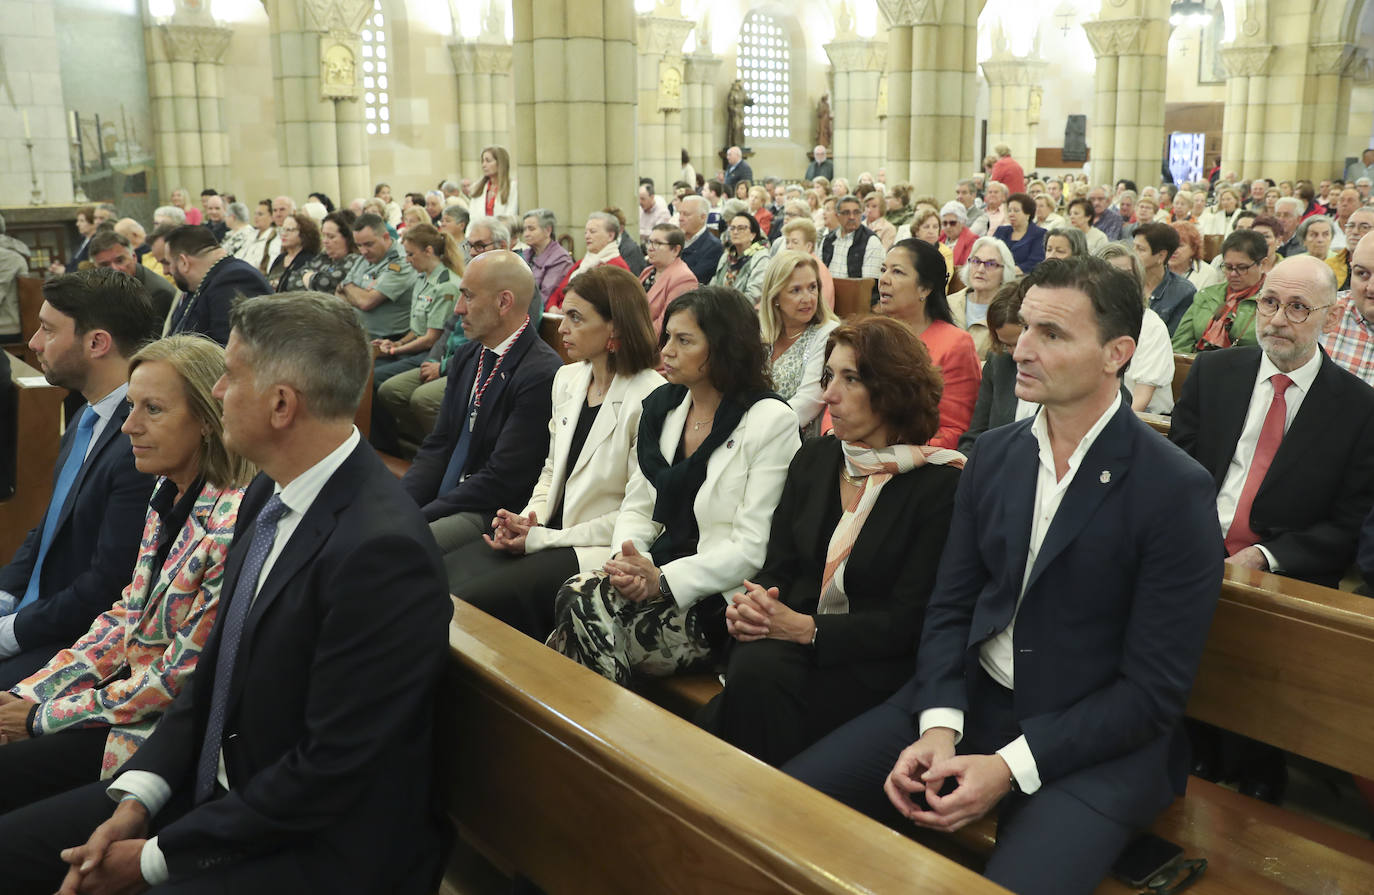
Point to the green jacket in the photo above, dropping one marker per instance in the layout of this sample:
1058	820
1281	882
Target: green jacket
1205	304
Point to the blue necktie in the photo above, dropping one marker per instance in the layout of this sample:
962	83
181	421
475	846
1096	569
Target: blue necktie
264	533
65	479
459	458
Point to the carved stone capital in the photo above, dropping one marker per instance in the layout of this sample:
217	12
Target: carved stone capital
1331	59
702	68
1013	72
857	55
195	43
337	15
662	35
1128	37
905	13
479	58
1242	62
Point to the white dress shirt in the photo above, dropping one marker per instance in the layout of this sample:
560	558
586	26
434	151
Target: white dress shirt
1261	396
1153	363
997	655
149	788
9	603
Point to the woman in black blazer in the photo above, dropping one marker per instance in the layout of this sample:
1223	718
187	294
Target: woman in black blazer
829	626
997	393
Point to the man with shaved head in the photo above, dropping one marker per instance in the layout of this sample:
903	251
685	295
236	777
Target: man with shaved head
488	446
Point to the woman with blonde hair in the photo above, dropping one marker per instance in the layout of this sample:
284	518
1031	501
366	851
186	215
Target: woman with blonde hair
801	236
496	189
795	322
758	206
84	714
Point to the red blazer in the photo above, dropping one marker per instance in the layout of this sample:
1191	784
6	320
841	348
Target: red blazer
951	349
675	280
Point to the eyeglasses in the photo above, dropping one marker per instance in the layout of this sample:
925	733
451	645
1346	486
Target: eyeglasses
659	244
740	228
1295	311
950	224
1238	268
986	265
478	248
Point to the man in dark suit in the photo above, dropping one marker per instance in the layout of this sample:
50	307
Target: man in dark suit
702	251
211	279
74	565
738	170
1259	418
299	759
1068	617
489	443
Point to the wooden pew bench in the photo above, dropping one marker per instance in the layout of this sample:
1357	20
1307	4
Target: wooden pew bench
853	298
1183	365
37	432
1287	663
582	786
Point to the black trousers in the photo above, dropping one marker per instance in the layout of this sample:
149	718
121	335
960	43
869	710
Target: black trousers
21	665
519	590
34	769
777	701
1048	843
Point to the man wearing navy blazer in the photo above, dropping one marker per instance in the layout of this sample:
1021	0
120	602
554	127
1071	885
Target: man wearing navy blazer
703	250
1069	615
299	758
212	280
489	443
74	565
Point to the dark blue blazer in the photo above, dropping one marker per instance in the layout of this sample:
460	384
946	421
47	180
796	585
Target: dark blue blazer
207	309
1115	613
1029	250
509	440
735	174
94	547
328	733
703	256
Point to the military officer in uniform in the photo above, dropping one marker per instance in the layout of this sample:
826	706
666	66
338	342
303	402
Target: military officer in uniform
379	285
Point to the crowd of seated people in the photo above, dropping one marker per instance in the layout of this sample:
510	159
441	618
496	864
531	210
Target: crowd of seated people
684	493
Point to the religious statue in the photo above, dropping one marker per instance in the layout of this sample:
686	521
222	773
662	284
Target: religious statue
338	68
735	102
825	122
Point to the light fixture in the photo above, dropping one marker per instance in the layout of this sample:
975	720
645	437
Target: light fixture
1189	13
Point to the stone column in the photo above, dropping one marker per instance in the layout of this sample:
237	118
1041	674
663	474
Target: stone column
1127	135
1013	83
859	139
33	102
1330	80
186	88
575	130
484	87
317	56
661	79
699	111
1242	129
932	91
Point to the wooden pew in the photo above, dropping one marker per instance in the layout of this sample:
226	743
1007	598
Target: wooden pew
1183	365
30	300
1286	663
853	298
37	430
1156	421
1210	246
548	331
582	786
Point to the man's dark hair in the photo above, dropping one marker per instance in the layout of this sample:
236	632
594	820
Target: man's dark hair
161	233
715	186
1113	293
416	199
190	239
1161	237
208	192
1129	184
104	240
103	298
648	184
738	362
371	222
1255	246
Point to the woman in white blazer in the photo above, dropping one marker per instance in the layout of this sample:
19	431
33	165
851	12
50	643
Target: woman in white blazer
566	526
495	194
714	447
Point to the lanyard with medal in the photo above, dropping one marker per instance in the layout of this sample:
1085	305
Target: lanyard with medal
483	383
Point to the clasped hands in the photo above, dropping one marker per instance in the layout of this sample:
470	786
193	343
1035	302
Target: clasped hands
508	531
14	718
633	575
110	861
756	613
925	765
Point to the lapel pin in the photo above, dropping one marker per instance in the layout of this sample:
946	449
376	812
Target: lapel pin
1105	477
565	421
730	443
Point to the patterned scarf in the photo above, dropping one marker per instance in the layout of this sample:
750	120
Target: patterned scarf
1218	332
877	466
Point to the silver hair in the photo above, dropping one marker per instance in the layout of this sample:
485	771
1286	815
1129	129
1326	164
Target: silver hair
1291	201
956	208
500	233
797	206
310	342
700	202
170	211
457	213
1009	273
448	185
436	194
1078	243
731	208
1303	227
610	220
546	218
239	212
